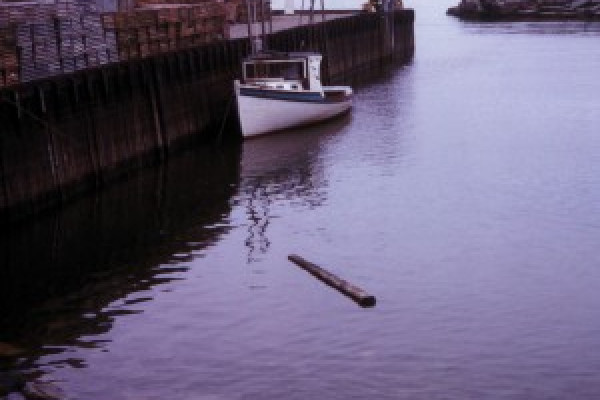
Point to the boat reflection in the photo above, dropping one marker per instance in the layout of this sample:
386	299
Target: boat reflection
283	167
65	277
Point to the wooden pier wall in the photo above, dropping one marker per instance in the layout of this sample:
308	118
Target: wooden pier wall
353	45
67	134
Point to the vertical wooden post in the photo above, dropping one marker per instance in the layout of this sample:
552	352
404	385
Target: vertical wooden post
250	26
152	78
4	116
53	161
91	131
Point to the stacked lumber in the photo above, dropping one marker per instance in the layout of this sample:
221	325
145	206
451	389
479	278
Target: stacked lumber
158	27
18	22
40	39
9	58
45	39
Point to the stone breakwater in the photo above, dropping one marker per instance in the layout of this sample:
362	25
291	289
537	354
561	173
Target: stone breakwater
527	10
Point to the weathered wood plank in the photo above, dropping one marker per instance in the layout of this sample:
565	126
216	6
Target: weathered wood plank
360	296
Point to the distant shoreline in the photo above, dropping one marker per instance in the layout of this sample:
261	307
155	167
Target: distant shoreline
490	10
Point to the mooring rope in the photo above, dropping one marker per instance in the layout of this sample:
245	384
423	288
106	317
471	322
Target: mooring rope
224	121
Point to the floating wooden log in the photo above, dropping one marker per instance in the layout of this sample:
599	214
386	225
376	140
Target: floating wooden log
361	297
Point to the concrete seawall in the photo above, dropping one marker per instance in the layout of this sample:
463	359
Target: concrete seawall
65	135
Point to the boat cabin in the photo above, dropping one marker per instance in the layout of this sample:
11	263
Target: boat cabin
284	71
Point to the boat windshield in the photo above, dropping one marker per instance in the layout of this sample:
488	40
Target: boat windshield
289	70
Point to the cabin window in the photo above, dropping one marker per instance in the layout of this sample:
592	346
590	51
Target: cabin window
292	70
254	71
286	70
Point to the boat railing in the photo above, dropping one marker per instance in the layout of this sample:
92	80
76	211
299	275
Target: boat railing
277	84
265	79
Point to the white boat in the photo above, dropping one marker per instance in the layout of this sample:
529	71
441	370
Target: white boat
283	90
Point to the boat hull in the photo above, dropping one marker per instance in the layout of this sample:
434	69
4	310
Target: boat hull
265	111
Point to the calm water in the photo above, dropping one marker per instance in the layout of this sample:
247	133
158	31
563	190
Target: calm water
463	191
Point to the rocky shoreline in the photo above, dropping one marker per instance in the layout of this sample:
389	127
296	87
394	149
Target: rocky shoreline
15	386
527	10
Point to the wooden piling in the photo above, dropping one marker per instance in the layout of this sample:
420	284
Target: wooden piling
361	297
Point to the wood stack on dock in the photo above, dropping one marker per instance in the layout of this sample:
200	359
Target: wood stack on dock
40	39
9	58
44	39
156	26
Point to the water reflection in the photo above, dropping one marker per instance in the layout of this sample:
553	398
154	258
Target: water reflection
66	277
285	167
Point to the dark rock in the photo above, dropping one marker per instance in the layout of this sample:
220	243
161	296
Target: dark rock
455	11
43	391
15	396
11	382
9	350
